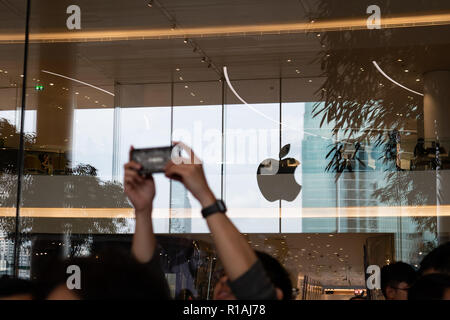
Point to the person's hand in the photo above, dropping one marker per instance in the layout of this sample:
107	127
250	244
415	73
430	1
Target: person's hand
141	191
189	171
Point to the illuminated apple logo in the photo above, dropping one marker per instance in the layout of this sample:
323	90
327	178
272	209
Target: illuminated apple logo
276	177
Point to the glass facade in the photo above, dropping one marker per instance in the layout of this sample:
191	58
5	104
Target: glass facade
358	112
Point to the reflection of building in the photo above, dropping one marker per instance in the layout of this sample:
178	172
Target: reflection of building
6	254
7	258
360	188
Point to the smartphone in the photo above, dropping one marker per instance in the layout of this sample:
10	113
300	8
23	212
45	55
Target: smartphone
153	160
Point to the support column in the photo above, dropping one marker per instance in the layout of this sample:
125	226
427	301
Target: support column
437	128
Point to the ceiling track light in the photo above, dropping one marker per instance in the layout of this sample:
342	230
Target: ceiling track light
186	40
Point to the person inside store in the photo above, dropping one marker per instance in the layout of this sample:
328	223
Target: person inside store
396	279
245	273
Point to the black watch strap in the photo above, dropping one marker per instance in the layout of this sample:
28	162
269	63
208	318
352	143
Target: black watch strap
218	206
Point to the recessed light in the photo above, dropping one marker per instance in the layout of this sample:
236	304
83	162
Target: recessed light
201	101
309	80
178	69
418	80
406	70
181	78
5	71
186	87
52	84
298	71
185	41
288	60
192	94
399	60
150	4
77	93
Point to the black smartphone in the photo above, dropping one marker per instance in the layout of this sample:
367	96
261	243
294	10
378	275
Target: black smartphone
153	160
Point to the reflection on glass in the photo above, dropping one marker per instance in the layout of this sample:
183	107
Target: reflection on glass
200	128
247	144
92	140
146	127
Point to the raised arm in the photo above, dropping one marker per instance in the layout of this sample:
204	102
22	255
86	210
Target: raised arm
235	253
141	192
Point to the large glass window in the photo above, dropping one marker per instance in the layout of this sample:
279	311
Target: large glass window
251	137
326	137
11	84
197	121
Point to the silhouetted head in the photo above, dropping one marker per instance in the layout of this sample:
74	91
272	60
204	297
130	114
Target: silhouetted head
434	286
107	275
437	261
396	279
15	289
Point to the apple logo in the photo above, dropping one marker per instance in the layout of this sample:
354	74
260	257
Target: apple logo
276	177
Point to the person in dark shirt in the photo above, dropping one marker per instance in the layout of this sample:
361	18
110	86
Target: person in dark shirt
240	262
223	289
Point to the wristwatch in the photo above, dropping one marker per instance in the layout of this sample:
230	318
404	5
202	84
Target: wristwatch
218	206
